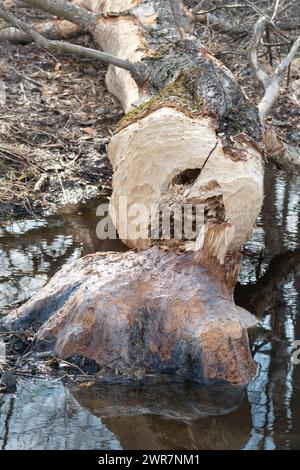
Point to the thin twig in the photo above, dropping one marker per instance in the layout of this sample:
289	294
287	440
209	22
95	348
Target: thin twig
200	6
219	7
63	47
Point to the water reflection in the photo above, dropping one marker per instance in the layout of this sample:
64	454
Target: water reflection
32	251
47	415
43	415
171	416
274	396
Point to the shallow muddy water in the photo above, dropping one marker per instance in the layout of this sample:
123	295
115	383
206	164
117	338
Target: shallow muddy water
45	414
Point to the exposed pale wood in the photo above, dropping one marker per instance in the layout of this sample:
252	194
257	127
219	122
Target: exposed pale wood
145	172
279	152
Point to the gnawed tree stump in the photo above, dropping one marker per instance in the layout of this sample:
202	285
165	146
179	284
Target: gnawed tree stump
143	314
189	136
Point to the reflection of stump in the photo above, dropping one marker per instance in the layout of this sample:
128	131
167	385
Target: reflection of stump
184	416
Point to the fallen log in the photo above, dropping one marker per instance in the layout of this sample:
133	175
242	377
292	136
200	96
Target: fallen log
189	137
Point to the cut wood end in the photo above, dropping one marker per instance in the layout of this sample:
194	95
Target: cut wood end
170	159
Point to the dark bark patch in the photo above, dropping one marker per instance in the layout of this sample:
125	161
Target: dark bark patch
187	177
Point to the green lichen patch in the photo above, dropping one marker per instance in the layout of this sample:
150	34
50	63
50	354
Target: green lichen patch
180	94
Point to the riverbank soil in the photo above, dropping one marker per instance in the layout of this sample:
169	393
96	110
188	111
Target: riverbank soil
55	121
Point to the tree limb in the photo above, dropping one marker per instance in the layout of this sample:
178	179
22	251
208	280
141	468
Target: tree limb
53	29
205	17
283	66
203	14
275	10
272	84
282	154
60	46
85	19
221	7
258	32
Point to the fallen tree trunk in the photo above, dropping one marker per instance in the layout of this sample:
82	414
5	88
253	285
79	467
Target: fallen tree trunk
189	115
189	137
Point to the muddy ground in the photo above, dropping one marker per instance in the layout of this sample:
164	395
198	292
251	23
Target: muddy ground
55	123
56	116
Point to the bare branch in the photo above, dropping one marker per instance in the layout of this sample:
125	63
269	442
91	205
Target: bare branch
271	84
272	89
279	152
280	33
287	6
275	10
220	7
53	29
258	32
218	24
258	10
85	19
215	22
283	66
60	46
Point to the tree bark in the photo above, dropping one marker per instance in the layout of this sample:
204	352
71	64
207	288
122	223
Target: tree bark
189	136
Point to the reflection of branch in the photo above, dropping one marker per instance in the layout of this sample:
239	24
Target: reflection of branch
255	297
